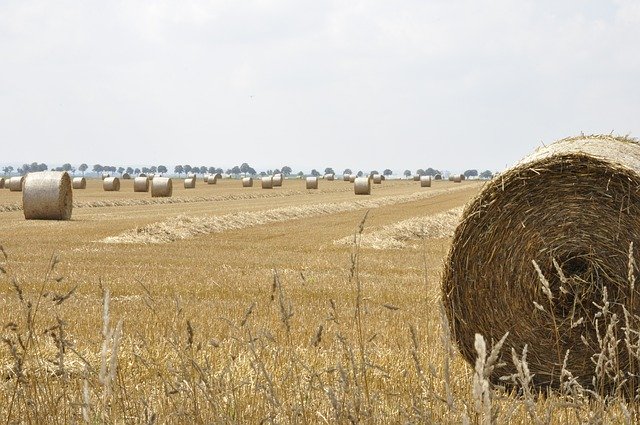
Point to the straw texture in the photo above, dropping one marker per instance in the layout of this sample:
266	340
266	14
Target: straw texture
362	186
572	208
47	195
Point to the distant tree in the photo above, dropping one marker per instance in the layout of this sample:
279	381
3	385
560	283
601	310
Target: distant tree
251	171
244	168
329	170
178	169
486	174
212	170
315	173
153	169
83	167
420	172
41	167
162	169
235	170
471	173
8	169
347	171
121	170
129	170
276	171
431	172
286	170
407	173
97	168
187	169
219	170
58	169
360	174
387	172
263	174
300	174
136	171
204	170
146	170
67	167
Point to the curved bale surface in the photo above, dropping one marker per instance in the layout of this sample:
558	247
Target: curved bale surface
190	183
377	179
111	184
425	181
161	187
267	182
362	186
277	180
247	182
79	183
15	184
416	177
141	184
312	182
47	195
541	251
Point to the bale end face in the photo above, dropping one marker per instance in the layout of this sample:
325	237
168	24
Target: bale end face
47	195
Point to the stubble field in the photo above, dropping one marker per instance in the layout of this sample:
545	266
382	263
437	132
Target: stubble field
231	305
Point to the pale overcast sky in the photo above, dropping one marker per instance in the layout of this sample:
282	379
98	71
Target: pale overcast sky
310	83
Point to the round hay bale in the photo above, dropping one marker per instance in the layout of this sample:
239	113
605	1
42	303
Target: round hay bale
267	182
47	195
15	184
416	177
462	176
377	179
247	182
437	177
362	186
79	183
126	176
1	182
353	177
141	184
277	180
346	177
330	176
457	178
312	182
213	178
383	177
541	250
190	183
425	181
111	184
451	177
161	187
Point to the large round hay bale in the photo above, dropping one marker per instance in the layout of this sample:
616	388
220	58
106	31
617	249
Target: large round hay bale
330	177
161	187
111	184
267	182
353	177
425	181
416	177
1	182
312	182
190	183
346	177
79	183
544	253
362	186
141	184
15	184
457	178
213	178
377	178
277	180
247	182
47	195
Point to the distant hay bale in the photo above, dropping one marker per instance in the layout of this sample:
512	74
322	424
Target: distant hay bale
126	176
247	182
79	183
353	177
451	177
312	182
383	177
267	182
213	178
416	177
437	177
1	182
362	186
15	184
141	184
190	183
330	177
346	177
111	184
142	175
457	178
47	195
161	187
277	180
191	175
377	179
105	175
425	181
548	252
462	176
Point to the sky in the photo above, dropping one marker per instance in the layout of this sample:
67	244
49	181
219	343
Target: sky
402	84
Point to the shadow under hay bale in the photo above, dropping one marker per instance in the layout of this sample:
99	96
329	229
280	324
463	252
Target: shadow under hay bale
572	208
47	195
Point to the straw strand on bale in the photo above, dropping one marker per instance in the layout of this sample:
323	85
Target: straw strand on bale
161	187
111	184
47	195
543	253
79	183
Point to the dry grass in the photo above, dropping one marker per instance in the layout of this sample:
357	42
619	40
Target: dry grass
272	323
